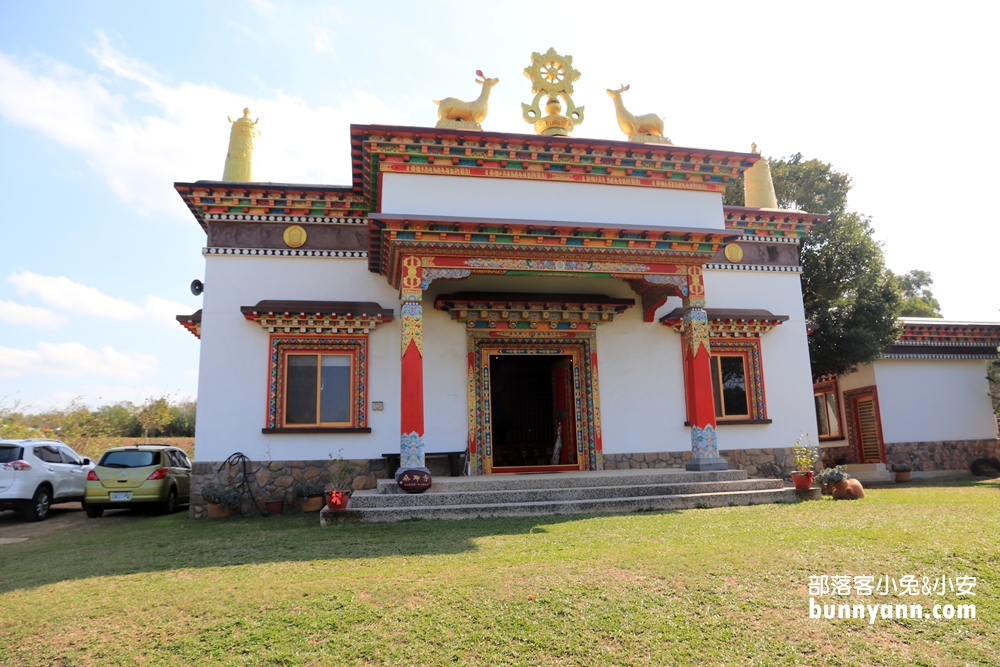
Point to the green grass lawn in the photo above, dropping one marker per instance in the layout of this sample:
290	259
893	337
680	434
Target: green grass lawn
698	587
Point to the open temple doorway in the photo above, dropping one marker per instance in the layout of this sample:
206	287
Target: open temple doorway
533	418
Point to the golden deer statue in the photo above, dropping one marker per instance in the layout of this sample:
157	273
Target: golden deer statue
637	128
453	112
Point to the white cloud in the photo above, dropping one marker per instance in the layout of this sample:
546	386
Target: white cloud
74	360
140	157
322	38
62	293
17	313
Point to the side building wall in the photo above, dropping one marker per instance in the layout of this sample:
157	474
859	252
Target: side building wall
936	413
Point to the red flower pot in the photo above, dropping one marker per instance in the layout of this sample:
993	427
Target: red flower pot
802	480
336	501
275	507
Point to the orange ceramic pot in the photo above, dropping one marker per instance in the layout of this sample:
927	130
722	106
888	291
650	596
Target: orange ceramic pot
802	480
850	489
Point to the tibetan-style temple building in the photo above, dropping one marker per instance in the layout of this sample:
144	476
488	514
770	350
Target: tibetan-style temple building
518	302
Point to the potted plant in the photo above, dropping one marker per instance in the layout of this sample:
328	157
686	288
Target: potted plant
221	502
338	491
828	477
849	489
310	497
902	471
805	460
275	507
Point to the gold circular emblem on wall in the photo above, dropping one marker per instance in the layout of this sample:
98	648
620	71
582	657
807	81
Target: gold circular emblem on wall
734	253
295	237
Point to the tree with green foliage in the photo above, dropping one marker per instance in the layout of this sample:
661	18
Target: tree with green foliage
153	414
917	298
848	293
993	375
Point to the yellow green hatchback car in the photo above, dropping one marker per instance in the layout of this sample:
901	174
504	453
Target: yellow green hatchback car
152	476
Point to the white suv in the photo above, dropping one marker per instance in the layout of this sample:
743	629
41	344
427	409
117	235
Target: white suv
36	473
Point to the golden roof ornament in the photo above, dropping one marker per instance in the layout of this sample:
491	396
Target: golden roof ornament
647	128
239	159
453	112
758	188
552	75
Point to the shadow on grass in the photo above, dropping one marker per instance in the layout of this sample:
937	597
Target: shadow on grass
128	542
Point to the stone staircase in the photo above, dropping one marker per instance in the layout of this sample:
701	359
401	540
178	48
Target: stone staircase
565	493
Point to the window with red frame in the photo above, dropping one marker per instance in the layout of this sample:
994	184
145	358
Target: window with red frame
737	381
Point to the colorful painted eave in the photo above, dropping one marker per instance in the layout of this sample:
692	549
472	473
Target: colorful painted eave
930	331
317	317
488	238
192	323
764	223
269	202
377	149
729	322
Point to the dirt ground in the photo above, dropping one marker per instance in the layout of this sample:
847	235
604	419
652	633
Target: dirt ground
61	516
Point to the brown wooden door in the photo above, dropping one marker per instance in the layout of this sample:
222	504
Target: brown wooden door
867	428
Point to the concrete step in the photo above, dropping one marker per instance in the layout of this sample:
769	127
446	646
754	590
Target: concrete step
870	472
372	499
592	506
559	480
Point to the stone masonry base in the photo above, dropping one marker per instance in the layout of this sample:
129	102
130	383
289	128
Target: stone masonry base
275	480
929	456
941	454
768	462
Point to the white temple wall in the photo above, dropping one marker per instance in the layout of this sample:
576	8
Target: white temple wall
477	197
924	400
233	374
639	363
639	368
863	377
784	356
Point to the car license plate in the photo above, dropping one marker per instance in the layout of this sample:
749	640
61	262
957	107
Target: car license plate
122	495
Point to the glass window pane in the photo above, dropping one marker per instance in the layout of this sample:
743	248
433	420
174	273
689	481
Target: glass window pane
300	391
716	387
734	387
821	422
335	392
831	410
69	457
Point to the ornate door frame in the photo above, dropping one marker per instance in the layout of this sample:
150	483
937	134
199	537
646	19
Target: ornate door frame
582	347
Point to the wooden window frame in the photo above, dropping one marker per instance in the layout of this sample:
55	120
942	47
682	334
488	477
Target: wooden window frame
830	387
319	387
749	349
282	346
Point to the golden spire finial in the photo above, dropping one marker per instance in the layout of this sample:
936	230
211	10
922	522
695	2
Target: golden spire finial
552	75
758	188
239	159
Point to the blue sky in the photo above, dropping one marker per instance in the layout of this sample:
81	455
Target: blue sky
103	105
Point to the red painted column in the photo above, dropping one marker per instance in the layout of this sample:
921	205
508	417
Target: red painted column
698	378
411	444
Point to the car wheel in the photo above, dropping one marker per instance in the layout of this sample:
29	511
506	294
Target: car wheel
170	506
93	511
40	504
